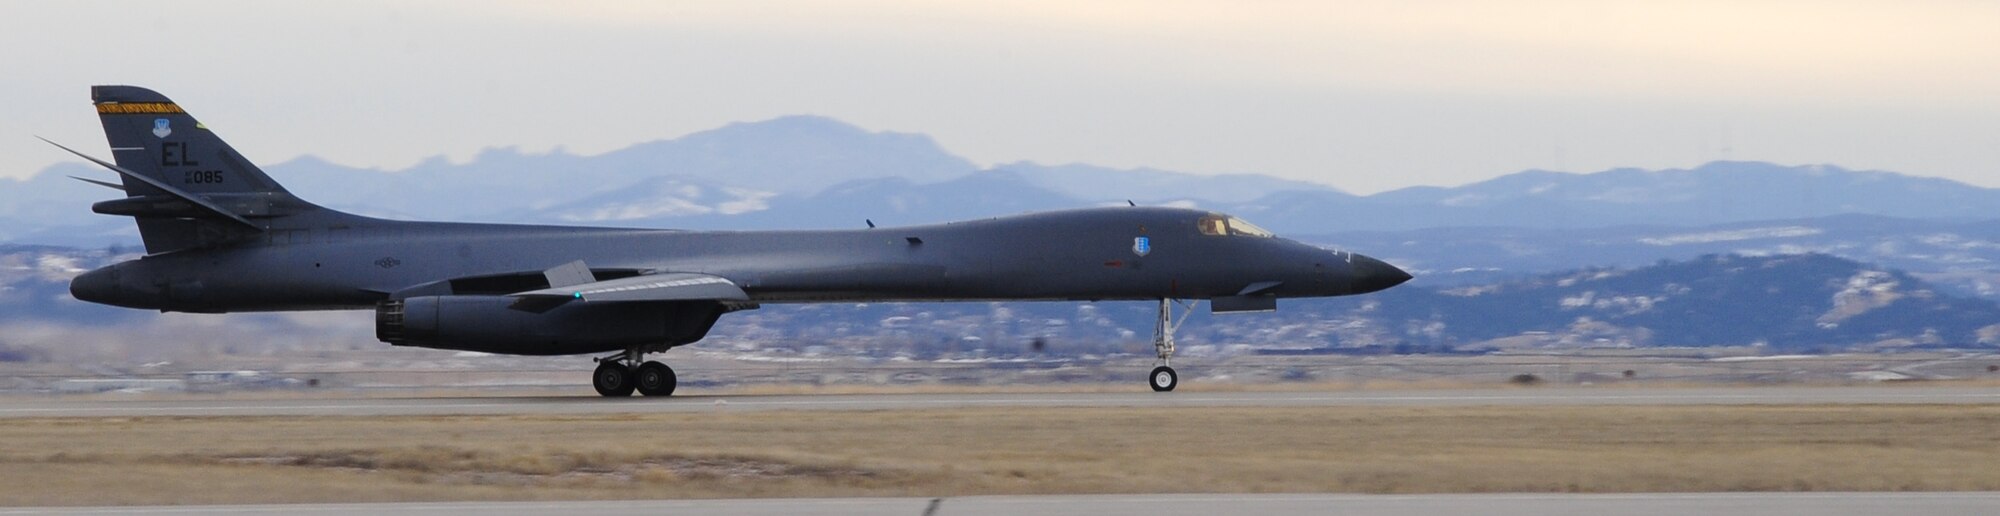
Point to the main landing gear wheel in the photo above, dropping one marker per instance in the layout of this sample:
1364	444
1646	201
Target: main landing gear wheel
656	379
1164	379
613	380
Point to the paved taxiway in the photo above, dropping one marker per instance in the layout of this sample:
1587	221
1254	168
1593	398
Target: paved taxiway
1816	504
59	406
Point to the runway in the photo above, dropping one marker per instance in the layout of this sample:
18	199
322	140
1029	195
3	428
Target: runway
1816	504
58	406
357	404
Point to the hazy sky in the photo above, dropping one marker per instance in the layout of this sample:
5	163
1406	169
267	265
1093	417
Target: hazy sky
1364	96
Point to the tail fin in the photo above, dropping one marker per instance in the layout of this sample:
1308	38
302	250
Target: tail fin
151	135
196	190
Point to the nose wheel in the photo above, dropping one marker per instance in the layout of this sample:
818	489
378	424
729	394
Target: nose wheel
616	378
1163	378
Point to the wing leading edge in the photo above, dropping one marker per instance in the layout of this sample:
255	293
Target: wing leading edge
669	286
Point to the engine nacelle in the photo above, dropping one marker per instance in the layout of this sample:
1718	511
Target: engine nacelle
486	324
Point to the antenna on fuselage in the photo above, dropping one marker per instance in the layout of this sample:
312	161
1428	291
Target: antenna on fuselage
1128	202
871	223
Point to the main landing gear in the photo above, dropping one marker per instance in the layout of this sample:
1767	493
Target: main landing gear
1163	378
616	377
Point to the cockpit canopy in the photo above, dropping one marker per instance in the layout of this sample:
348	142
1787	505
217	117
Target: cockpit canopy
1219	225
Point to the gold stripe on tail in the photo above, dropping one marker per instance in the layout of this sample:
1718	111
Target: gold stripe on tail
138	108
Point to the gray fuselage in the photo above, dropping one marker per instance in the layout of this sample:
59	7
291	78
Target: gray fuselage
331	260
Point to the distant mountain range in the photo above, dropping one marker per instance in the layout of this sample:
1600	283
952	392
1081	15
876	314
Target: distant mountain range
815	172
1807	303
1960	257
1795	258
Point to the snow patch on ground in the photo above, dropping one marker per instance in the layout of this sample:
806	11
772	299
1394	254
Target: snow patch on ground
1865	291
1732	235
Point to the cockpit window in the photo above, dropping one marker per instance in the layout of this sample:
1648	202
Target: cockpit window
1240	227
1219	224
1213	225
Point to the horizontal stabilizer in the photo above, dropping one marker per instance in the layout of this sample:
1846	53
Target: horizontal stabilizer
164	187
106	184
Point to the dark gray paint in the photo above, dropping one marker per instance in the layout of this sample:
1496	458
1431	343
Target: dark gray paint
1066	255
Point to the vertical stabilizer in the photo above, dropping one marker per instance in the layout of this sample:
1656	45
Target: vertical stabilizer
152	136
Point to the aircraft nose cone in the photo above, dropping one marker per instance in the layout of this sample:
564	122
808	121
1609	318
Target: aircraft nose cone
1372	275
98	286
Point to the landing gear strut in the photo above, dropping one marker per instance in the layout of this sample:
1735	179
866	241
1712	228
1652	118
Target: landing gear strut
616	377
1163	377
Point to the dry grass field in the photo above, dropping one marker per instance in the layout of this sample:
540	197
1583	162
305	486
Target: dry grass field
190	460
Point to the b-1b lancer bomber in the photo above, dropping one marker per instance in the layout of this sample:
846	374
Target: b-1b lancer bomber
221	236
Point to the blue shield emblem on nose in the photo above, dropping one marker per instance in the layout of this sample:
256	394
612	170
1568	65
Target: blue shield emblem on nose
1141	246
160	128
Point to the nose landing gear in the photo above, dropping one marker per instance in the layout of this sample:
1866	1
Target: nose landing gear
1163	377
